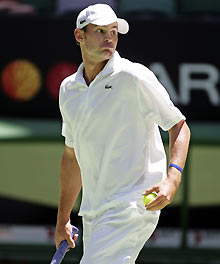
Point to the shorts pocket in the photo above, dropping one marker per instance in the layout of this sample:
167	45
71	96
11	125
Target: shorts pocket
141	210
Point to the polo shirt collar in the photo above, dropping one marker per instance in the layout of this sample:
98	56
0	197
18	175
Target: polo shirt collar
111	65
109	68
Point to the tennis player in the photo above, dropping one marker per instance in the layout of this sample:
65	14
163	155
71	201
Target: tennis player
111	110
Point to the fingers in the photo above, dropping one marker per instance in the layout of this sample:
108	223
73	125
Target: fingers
158	203
72	245
71	241
150	190
165	190
68	239
65	233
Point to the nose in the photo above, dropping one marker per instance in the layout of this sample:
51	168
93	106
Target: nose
108	37
108	40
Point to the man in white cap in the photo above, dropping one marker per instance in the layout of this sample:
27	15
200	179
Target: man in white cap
111	110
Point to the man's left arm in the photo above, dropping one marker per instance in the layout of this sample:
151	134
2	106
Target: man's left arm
179	137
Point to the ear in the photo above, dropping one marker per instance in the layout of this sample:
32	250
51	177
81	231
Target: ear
79	35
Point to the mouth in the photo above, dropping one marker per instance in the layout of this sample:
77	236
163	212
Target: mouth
107	47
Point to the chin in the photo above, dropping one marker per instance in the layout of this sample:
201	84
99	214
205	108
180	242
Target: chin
108	53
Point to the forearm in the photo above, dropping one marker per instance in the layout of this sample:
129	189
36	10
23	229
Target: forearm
166	189
178	149
70	186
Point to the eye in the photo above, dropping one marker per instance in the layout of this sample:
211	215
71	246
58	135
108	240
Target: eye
114	32
99	30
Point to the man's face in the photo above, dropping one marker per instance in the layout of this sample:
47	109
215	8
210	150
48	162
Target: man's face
99	42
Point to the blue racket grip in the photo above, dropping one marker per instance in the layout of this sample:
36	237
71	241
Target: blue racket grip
62	249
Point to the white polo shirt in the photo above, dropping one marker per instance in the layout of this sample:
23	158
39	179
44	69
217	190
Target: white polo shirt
112	124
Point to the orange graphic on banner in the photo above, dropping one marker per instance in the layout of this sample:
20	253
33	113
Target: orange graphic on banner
21	80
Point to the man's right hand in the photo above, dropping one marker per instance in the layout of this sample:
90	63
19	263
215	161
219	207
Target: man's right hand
64	231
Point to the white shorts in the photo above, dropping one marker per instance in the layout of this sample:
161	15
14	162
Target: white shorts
118	235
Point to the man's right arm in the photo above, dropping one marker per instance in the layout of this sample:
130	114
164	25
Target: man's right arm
70	186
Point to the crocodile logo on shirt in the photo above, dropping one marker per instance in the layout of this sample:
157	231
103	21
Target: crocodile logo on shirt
108	86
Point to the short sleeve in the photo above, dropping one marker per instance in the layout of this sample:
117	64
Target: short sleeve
66	132
66	126
154	101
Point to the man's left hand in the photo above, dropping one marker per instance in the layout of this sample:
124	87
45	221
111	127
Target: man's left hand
165	190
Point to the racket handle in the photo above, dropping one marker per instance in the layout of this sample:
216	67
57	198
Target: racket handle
62	249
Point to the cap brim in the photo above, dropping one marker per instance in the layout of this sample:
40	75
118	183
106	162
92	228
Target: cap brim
123	26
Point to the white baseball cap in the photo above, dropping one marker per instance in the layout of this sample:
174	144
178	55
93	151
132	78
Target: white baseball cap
101	15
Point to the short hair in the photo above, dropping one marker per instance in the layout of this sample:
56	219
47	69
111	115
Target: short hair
84	29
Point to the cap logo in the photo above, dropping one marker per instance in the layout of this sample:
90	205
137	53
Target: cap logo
82	21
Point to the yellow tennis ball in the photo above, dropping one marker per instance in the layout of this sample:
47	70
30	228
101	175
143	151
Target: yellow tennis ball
148	198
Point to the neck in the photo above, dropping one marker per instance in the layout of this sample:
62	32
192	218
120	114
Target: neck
92	68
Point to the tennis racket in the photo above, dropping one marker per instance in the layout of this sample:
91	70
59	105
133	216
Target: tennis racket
62	249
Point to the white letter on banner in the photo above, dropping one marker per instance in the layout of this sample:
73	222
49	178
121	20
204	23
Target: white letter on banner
187	83
160	71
